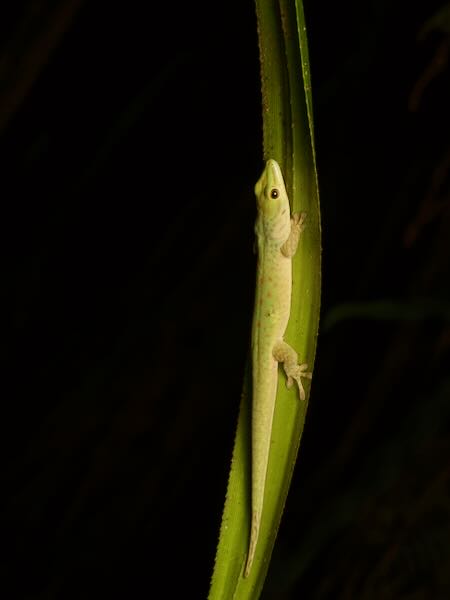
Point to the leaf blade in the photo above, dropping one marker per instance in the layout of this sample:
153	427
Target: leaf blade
288	138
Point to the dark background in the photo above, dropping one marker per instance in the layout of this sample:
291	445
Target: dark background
130	144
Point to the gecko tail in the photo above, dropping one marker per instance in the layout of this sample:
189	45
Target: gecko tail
253	541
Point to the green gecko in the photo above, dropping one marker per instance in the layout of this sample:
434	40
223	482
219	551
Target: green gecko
277	236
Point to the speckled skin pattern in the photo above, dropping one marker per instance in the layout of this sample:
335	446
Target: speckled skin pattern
277	238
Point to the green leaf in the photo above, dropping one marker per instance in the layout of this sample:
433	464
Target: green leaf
288	138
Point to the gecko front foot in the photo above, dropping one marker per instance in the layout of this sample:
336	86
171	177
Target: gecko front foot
289	248
298	221
283	353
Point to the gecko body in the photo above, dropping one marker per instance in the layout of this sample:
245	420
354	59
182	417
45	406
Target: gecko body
277	236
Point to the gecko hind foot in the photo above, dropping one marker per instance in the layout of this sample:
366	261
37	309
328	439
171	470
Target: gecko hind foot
296	374
283	353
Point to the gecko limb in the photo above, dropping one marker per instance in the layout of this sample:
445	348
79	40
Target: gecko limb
283	353
289	248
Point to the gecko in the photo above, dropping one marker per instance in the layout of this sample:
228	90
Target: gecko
277	237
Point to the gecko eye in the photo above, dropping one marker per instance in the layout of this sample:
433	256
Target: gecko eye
274	193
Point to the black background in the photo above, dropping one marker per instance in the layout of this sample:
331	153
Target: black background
130	144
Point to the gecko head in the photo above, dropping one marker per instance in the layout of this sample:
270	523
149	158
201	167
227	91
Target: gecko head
271	195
